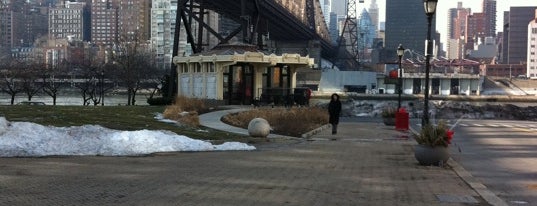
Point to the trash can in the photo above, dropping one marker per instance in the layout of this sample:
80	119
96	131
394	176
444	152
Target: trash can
401	120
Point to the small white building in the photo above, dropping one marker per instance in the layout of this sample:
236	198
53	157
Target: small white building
439	84
532	50
238	74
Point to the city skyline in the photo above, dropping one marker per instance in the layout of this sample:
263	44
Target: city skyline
444	6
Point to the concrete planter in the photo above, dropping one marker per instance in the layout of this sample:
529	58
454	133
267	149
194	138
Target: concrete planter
389	121
427	155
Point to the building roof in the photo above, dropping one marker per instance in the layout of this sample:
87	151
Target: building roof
229	49
232	54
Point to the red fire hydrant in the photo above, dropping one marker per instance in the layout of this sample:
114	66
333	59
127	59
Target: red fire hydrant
401	120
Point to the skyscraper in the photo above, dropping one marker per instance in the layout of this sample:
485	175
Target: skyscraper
489	8
326	7
339	7
366	29
518	34
406	24
374	14
505	39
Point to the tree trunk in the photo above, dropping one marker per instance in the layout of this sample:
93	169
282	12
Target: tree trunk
129	96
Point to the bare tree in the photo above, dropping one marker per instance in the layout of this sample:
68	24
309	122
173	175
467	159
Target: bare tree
30	78
89	83
52	80
10	76
134	65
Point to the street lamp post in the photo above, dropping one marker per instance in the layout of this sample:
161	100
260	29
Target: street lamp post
400	52
102	87
430	8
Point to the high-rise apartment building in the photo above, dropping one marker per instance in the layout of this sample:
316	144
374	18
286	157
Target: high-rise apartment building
21	23
406	24
104	22
456	33
532	48
68	21
489	9
5	23
475	29
162	31
452	16
134	20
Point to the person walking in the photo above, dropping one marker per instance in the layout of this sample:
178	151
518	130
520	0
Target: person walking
334	109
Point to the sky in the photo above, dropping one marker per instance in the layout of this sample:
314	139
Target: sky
26	139
445	5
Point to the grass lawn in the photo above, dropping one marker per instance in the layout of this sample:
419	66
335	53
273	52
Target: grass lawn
113	117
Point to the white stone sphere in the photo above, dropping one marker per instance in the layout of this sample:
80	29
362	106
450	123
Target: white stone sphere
258	127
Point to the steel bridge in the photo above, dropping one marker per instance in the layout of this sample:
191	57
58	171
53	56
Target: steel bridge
259	21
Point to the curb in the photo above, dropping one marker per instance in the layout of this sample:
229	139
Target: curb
315	131
480	188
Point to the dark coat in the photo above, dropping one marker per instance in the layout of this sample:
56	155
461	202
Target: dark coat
334	109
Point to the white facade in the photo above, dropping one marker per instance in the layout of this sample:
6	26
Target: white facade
447	84
336	81
204	77
532	49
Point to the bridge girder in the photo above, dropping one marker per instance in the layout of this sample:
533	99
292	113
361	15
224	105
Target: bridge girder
279	19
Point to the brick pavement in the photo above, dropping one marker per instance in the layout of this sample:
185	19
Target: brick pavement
365	164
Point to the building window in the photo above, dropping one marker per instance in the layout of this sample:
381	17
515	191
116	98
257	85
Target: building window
211	68
198	67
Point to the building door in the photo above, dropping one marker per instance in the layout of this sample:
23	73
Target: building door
277	84
454	87
416	86
436	86
238	84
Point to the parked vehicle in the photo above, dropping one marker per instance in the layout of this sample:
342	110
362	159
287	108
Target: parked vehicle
31	103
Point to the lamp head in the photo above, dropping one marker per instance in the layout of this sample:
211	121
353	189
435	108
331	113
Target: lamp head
400	50
430	6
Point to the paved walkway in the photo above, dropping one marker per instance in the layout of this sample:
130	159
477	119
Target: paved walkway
364	164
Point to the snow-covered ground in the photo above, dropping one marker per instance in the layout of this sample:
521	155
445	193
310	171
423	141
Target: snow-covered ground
19	139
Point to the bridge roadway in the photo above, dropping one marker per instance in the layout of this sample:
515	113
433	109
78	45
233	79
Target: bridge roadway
283	20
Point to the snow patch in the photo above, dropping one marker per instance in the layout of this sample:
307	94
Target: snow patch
30	139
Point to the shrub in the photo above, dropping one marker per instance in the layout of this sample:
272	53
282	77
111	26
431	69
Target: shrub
185	110
432	135
291	122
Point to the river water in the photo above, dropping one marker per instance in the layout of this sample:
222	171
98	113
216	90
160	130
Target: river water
73	99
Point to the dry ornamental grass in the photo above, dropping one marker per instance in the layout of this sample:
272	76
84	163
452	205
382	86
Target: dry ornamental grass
284	121
185	110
